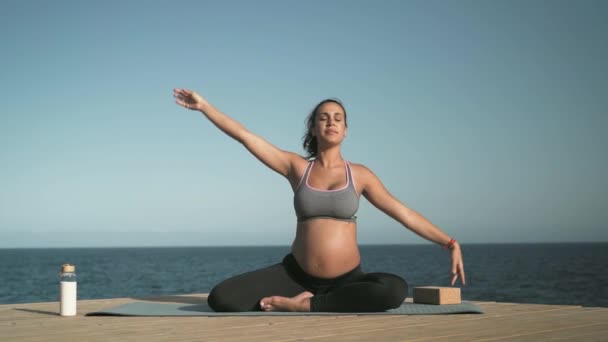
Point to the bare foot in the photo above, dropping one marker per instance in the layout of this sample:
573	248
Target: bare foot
300	302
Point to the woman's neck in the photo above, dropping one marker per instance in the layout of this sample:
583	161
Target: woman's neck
330	157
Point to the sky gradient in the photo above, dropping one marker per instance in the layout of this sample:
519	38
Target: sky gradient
487	117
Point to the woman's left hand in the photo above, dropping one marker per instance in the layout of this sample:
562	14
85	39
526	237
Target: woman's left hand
457	265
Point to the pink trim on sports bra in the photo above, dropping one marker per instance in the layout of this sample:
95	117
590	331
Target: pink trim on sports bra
342	188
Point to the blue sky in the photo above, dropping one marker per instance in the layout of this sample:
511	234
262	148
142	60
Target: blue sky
488	117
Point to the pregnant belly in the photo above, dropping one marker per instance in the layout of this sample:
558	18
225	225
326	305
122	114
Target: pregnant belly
326	248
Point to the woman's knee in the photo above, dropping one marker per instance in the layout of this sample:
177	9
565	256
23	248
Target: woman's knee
220	299
398	289
242	292
215	300
393	290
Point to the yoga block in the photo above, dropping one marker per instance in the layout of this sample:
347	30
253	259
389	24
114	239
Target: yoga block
436	295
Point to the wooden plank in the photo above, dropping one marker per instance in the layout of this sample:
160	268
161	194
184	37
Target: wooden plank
547	321
593	332
117	324
465	330
40	322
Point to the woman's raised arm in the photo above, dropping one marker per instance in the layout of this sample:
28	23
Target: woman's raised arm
278	160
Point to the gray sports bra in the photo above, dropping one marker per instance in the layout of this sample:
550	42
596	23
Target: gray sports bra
341	204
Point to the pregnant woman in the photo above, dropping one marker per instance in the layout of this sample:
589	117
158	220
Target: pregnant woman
322	272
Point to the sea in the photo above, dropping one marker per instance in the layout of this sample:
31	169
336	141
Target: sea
543	273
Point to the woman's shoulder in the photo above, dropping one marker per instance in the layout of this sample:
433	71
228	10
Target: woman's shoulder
361	171
295	158
359	168
365	178
299	163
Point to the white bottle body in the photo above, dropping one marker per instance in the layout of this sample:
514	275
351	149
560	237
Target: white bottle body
67	298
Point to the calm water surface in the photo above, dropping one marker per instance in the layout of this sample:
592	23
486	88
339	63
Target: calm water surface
573	273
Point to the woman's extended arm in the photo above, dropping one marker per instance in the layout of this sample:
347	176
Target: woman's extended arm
375	192
273	157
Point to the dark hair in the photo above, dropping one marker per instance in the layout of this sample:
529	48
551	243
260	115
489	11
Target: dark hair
309	141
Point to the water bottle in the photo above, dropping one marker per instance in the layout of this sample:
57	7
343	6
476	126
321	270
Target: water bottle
67	300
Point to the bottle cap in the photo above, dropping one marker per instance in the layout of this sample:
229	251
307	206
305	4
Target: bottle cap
68	268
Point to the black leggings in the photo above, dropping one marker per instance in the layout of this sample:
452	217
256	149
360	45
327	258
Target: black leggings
354	291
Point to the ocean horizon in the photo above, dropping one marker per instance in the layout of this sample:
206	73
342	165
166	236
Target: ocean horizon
287	245
564	273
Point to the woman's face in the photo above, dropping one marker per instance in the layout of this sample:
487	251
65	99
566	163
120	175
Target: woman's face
330	125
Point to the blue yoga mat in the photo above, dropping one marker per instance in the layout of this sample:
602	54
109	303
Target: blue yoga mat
171	309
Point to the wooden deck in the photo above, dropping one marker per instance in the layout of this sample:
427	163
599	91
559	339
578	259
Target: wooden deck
501	322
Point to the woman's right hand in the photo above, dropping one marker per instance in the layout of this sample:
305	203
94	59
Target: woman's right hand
189	99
